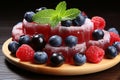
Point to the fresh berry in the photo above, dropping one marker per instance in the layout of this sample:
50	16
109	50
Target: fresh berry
40	57
17	31
66	23
25	53
79	59
38	41
13	46
32	28
113	29
57	59
97	34
24	39
94	54
99	22
114	38
79	20
71	41
41	8
111	52
55	41
83	33
28	16
117	46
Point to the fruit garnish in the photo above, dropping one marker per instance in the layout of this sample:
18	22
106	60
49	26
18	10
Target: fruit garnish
94	54
98	34
54	16
99	22
25	53
111	52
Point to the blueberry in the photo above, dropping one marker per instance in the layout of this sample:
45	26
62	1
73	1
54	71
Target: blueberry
66	23
57	59
117	46
79	59
55	41
39	41
13	46
111	52
41	8
28	16
98	34
113	30
24	39
79	20
71	41
40	57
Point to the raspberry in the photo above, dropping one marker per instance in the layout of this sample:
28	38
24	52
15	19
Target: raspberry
99	22
94	54
25	53
114	37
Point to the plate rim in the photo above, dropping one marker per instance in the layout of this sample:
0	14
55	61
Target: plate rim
65	69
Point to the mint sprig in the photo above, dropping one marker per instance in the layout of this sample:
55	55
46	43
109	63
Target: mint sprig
54	16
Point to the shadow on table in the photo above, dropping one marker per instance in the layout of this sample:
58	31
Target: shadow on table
104	75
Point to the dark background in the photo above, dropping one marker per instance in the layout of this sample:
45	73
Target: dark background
13	10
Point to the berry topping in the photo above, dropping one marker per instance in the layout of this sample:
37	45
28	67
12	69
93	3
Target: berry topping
99	22
79	59
41	8
38	41
55	41
57	59
24	39
28	16
117	46
111	52
71	41
40	57
25	53
94	54
114	37
113	30
97	34
66	23
13	46
79	20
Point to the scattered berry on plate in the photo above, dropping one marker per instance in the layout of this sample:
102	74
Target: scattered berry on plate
94	54
111	52
79	59
40	57
57	59
25	53
13	46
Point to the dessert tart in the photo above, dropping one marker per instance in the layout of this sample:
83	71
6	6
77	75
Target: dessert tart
62	41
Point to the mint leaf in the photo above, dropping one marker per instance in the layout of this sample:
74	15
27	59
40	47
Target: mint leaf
43	16
61	8
53	17
70	14
55	20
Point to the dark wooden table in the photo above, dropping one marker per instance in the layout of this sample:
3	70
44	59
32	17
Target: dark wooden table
9	71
